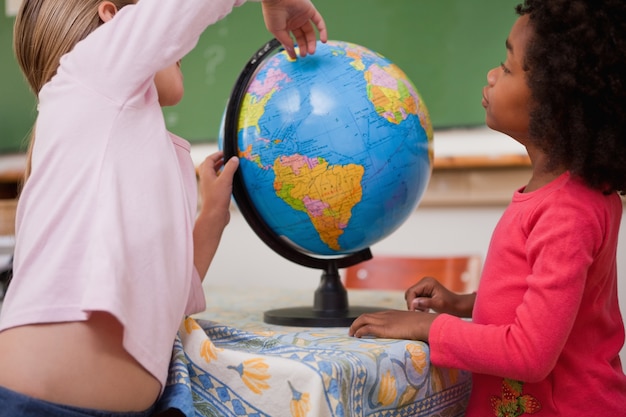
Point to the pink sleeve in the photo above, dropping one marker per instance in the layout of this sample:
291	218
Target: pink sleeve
139	41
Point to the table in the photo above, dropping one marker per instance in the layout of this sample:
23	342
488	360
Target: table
228	362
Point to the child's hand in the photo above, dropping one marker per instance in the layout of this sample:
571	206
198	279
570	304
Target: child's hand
215	187
393	324
297	17
430	294
215	191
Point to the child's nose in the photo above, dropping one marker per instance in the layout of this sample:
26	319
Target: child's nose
492	76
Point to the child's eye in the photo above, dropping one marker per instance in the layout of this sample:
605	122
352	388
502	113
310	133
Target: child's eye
504	68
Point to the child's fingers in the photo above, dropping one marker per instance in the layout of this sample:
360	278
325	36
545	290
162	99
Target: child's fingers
230	167
212	163
420	304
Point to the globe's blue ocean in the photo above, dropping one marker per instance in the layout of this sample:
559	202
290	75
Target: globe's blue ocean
335	148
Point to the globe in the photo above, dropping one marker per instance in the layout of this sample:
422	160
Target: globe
335	150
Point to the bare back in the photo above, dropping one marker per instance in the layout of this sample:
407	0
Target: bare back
81	364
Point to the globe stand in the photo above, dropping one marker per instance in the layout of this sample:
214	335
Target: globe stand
330	305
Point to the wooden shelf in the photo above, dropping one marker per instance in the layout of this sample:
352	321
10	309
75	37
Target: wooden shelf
465	162
12	166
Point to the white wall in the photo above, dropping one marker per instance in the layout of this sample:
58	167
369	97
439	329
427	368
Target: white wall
246	260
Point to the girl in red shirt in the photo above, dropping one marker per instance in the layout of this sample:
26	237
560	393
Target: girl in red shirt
546	329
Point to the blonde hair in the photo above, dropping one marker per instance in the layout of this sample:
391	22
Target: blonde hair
44	31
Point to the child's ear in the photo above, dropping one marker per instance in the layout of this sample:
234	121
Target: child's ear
106	11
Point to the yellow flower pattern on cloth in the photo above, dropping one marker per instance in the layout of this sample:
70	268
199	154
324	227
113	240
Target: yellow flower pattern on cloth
300	404
254	373
208	351
191	325
387	392
408	396
272	371
418	358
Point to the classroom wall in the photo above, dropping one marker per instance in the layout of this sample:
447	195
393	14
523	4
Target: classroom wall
444	46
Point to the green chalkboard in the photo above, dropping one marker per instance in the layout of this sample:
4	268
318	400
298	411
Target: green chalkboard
446	47
17	105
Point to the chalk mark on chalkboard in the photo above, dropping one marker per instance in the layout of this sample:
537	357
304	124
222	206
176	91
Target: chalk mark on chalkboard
171	119
214	55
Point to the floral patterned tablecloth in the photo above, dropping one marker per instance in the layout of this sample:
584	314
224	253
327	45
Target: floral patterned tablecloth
228	362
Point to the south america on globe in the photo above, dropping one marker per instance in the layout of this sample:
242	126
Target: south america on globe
335	148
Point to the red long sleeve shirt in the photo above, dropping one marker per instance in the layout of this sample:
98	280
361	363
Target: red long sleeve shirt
546	330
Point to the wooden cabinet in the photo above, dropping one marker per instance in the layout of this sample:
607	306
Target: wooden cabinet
11	172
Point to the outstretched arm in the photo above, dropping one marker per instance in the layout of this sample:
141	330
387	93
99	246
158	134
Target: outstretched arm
299	18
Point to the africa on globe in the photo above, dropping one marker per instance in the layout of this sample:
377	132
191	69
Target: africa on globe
335	148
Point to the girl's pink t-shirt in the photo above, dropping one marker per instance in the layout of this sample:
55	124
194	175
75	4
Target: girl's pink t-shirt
105	220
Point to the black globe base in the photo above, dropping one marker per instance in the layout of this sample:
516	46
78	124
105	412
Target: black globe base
309	317
330	304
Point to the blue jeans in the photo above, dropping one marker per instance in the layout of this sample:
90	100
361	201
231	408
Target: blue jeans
14	404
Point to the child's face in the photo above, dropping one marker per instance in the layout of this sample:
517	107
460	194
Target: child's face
506	98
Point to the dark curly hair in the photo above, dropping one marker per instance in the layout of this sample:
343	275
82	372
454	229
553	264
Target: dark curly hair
576	63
